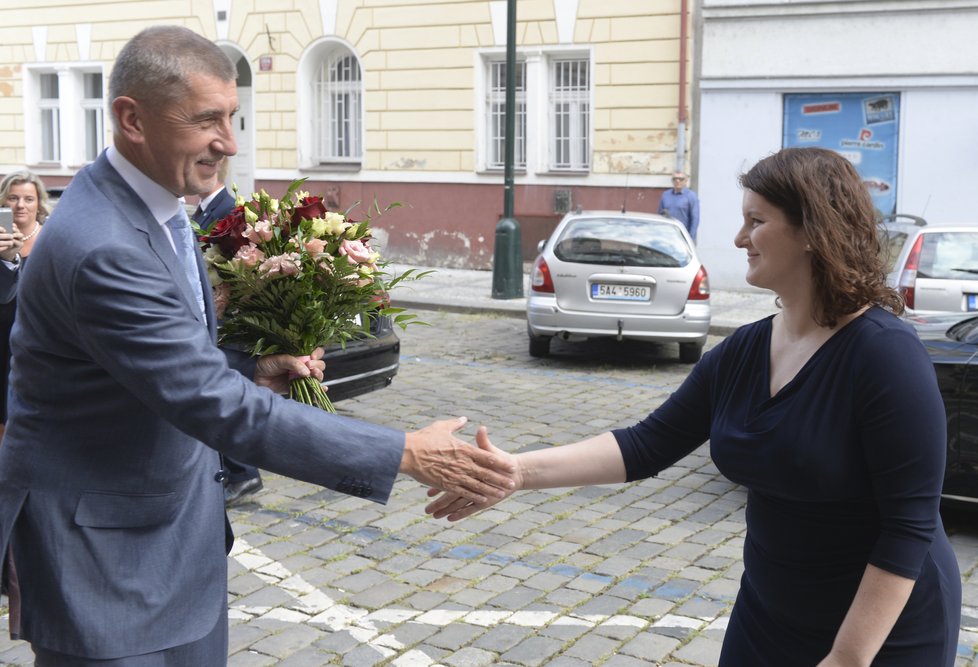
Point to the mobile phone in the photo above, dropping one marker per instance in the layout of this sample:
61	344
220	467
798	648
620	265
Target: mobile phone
7	220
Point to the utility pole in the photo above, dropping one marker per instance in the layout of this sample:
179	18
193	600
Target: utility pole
507	264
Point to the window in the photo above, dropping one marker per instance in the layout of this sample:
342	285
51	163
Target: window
94	129
49	105
552	90
337	99
496	115
65	115
570	115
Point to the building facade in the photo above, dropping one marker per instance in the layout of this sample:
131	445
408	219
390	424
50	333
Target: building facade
891	84
389	101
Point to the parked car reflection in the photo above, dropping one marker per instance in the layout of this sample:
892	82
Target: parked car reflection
952	342
365	364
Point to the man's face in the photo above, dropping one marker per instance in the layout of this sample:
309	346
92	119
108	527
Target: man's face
186	140
678	182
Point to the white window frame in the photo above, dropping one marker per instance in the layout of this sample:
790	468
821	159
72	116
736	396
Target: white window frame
538	130
569	113
93	117
495	114
69	137
330	80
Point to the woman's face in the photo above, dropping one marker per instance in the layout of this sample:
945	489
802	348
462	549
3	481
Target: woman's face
22	200
777	258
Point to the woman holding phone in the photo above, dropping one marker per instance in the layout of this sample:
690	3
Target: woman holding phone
24	194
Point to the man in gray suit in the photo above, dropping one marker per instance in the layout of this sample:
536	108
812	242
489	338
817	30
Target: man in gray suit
110	497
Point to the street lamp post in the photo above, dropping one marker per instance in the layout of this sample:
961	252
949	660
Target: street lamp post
507	264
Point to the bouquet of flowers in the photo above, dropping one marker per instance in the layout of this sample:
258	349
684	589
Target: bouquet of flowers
290	276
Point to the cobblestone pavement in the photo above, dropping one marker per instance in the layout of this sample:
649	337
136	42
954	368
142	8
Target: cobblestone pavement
637	574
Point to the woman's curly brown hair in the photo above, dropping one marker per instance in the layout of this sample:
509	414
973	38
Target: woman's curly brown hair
820	191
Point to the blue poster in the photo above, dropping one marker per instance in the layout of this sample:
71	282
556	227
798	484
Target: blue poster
861	126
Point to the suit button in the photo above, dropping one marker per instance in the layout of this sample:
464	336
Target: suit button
221	476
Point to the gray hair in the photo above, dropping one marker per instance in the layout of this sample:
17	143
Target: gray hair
20	178
155	65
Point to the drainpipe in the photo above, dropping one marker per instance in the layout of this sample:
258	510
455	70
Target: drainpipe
681	127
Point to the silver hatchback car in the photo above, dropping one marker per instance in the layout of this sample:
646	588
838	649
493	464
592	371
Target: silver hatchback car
609	274
934	266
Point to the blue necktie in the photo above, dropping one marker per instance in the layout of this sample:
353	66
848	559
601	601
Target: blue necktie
183	241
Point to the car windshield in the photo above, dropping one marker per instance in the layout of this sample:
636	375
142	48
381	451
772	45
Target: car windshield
623	242
949	255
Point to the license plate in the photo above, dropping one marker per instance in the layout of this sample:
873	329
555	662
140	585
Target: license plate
972	301
620	292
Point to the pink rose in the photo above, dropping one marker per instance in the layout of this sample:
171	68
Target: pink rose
356	251
249	255
315	247
282	265
260	231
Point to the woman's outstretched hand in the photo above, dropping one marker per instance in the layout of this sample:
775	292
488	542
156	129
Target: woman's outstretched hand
455	507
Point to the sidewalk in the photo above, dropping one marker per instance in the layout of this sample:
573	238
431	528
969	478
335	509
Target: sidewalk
467	290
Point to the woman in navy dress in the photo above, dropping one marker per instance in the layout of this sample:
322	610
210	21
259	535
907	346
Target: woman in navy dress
829	414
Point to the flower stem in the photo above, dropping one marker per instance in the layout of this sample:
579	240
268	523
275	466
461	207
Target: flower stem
310	391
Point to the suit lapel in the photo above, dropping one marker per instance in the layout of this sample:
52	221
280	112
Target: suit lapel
135	212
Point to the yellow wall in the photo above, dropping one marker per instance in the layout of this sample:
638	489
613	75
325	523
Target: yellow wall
419	62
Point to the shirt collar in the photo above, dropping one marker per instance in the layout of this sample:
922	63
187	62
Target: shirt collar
160	202
205	203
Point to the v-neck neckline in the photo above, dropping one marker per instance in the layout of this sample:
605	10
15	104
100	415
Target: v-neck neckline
805	369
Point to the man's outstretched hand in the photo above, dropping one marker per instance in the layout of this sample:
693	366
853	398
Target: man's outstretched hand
455	506
434	456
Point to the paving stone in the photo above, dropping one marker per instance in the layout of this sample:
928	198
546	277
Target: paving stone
307	657
592	647
601	605
470	657
381	595
340	641
288	641
455	636
503	637
251	659
365	656
533	651
650	645
700	651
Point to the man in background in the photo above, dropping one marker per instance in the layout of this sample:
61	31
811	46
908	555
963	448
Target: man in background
681	203
243	480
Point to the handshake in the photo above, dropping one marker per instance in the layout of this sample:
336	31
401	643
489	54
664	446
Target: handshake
472	478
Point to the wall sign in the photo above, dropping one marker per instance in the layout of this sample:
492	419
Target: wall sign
864	127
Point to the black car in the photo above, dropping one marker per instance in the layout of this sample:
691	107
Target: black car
365	364
952	342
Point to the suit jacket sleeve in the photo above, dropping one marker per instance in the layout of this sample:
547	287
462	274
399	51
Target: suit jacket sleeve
134	322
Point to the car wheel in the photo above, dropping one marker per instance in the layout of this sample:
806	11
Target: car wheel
690	353
539	346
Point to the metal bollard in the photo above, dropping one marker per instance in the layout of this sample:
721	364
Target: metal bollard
507	261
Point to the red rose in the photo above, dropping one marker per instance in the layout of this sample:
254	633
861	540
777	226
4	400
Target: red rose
308	208
228	233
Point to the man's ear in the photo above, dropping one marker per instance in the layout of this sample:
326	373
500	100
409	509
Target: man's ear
129	114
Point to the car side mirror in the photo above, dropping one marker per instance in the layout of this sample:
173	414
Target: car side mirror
541	245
